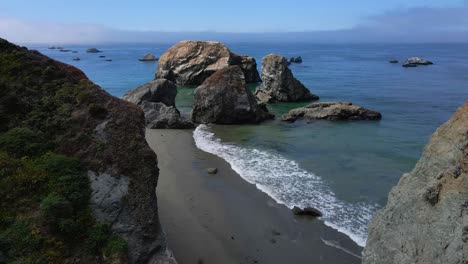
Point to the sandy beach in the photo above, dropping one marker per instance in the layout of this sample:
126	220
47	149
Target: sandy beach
222	218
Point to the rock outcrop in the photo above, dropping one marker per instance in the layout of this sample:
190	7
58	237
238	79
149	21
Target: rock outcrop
105	133
416	61
148	57
295	59
93	50
331	111
225	99
192	62
279	84
157	99
426	216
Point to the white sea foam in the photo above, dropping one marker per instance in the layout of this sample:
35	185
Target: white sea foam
288	184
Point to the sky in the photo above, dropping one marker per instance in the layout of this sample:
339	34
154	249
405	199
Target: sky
85	21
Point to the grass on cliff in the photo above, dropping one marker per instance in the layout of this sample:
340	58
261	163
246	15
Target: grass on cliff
45	214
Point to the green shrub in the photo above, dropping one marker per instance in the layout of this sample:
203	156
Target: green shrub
54	209
18	240
97	237
97	111
116	246
20	142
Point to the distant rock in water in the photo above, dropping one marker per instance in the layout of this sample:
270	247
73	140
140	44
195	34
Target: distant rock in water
157	99
425	219
74	51
295	59
280	84
148	57
416	61
76	59
108	59
102	56
393	61
192	62
93	50
225	99
331	111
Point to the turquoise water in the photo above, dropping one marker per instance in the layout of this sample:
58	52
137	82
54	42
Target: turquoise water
345	169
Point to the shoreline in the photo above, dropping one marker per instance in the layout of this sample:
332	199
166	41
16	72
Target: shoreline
222	218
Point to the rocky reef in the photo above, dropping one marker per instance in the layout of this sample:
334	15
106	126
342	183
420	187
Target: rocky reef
87	190
426	216
331	111
416	61
225	99
157	99
192	62
279	84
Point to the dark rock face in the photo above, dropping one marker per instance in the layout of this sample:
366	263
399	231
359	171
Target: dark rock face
105	133
308	211
148	57
225	99
295	59
159	115
331	111
192	62
157	99
425	219
279	82
157	91
416	61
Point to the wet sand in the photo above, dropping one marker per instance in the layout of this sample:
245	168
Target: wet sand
221	218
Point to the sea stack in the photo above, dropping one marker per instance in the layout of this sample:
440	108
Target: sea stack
279	84
148	57
224	98
192	62
331	111
157	100
425	219
416	61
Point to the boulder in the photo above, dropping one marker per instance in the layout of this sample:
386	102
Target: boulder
225	99
416	61
308	211
157	91
192	62
212	170
159	116
148	57
331	111
425	219
93	50
279	82
157	100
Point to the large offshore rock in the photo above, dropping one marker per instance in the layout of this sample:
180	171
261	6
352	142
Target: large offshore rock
192	62
426	216
157	99
279	84
225	99
159	90
331	111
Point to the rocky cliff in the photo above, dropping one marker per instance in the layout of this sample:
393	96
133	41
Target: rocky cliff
45	101
426	216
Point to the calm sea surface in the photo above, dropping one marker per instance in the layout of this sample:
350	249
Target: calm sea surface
346	169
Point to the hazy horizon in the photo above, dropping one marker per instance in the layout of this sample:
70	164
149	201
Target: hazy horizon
397	21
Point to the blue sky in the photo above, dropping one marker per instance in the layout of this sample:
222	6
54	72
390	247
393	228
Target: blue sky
47	19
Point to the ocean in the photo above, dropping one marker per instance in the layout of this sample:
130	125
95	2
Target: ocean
345	169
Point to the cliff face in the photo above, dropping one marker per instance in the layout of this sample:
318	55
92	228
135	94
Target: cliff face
106	134
426	217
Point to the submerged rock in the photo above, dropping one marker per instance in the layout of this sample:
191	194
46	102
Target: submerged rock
192	62
225	99
295	59
425	218
393	61
76	59
148	57
416	61
308	211
331	111
279	82
93	50
157	99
